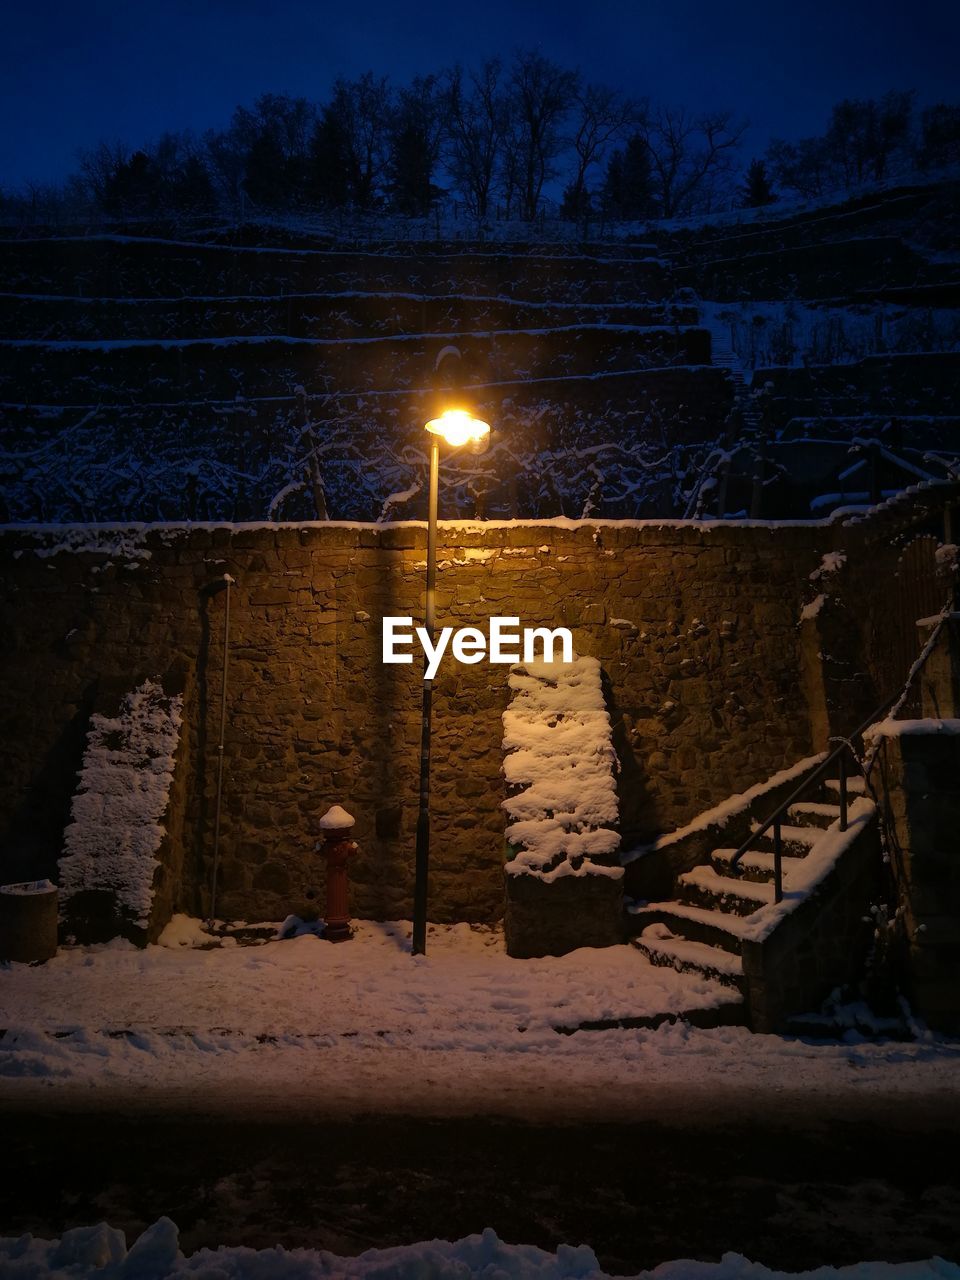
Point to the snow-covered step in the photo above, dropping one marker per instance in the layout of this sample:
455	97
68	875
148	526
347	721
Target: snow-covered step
795	842
664	949
696	924
755	865
810	813
704	887
856	785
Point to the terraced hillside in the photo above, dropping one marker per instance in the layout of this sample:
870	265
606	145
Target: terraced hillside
145	378
254	372
844	325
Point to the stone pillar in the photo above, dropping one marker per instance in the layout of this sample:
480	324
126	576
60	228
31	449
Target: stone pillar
812	681
544	918
922	774
940	677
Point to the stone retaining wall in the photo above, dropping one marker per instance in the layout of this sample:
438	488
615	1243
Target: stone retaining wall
920	768
695	627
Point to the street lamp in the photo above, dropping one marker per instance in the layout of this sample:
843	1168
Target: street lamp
457	427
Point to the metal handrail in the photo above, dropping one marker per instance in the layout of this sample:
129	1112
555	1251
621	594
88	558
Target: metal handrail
776	818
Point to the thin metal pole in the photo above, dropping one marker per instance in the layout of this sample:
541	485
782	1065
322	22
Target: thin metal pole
842	770
223	725
777	862
422	860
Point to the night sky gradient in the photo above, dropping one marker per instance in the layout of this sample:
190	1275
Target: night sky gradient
72	74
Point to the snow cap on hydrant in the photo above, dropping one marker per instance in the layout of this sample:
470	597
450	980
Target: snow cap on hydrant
335	819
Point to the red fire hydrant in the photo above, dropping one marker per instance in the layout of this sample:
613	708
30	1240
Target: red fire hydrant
336	825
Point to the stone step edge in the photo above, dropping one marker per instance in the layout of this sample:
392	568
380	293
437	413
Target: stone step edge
795	835
855	784
730	928
700	954
818	815
754	859
707	877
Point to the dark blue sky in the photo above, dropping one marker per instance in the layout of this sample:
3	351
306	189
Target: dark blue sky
74	73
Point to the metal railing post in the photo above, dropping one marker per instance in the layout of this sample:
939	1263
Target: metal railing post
422	853
777	862
842	770
838	754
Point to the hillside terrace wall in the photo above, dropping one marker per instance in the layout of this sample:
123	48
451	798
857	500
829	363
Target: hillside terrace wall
65	446
889	385
829	270
151	372
314	315
112	266
695	627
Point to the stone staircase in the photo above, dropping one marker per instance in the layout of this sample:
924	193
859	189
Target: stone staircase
745	402
723	356
703	930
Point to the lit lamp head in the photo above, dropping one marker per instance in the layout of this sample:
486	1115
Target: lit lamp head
459	427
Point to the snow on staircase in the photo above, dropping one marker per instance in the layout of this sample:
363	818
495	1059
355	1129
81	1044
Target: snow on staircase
724	357
716	911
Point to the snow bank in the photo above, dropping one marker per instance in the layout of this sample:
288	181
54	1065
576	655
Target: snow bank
101	1252
115	830
562	764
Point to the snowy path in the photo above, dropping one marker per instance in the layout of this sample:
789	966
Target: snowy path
365	1026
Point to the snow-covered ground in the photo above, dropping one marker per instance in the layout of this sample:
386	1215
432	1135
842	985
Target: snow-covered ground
365	1026
101	1252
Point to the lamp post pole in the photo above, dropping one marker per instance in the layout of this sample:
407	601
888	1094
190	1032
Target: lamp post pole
458	427
422	858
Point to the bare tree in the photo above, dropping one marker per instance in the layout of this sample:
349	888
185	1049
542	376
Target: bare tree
226	153
476	120
542	95
602	116
364	105
415	138
939	136
863	136
802	166
862	142
99	168
692	157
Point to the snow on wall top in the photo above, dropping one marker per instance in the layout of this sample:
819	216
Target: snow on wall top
126	539
561	759
893	728
115	830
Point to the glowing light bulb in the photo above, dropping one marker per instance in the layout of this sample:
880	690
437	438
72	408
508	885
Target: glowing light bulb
459	427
